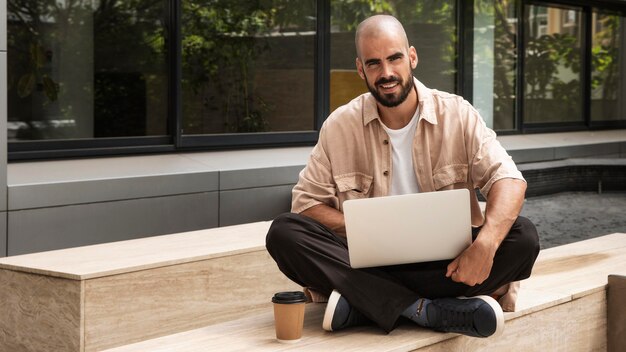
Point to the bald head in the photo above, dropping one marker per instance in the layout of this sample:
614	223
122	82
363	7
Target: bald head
379	26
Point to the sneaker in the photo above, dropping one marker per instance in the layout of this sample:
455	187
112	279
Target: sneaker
479	316
339	314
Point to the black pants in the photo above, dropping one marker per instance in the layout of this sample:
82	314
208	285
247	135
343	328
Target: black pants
312	255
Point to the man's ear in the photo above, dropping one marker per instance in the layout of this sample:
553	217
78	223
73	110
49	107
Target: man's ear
413	57
359	68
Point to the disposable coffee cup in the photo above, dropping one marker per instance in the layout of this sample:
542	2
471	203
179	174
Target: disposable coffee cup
289	315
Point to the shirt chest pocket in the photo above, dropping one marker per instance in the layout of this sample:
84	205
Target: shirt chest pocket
353	186
449	175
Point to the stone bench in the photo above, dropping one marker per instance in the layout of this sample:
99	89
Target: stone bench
96	297
562	307
211	289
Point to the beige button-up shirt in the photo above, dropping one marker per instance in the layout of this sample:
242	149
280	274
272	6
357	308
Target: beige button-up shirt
452	148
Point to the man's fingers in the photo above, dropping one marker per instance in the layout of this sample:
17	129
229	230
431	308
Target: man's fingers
452	268
453	276
464	278
457	277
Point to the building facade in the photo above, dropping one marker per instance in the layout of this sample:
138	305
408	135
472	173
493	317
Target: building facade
155	80
130	76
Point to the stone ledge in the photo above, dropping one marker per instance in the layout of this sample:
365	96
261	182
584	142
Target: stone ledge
562	307
97	297
68	182
106	259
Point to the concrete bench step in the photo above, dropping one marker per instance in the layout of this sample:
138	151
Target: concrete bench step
97	297
562	307
566	332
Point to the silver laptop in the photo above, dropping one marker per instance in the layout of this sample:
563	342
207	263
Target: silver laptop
410	228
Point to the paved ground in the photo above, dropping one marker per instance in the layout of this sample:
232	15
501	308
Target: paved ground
574	216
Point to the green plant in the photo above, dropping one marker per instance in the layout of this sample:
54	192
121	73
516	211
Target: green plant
221	43
544	56
604	57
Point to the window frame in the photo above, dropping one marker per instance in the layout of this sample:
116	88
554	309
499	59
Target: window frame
586	22
543	127
176	141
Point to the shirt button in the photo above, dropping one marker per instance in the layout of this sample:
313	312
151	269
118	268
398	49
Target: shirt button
385	142
386	173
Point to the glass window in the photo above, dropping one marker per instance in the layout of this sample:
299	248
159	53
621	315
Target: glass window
495	62
248	66
86	69
88	75
608	60
430	27
552	65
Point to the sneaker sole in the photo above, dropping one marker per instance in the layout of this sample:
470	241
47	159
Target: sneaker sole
497	309
330	310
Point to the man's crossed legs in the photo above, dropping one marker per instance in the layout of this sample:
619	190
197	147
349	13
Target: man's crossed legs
313	256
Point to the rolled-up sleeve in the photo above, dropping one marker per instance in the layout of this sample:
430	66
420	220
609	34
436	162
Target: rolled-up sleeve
315	183
488	160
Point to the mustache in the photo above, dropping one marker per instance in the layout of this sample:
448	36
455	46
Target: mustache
385	80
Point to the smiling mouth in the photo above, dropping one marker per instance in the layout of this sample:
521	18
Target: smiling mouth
389	85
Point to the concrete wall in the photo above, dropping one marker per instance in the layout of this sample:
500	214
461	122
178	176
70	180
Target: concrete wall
68	203
42	229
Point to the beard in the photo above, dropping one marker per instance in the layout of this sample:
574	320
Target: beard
391	100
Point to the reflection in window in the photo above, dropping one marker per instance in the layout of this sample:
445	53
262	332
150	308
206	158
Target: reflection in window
552	72
248	66
430	27
608	94
86	69
495	62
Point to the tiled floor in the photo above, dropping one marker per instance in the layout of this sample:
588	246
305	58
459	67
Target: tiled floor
575	216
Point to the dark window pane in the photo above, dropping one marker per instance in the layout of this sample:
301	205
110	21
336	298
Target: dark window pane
608	94
248	66
86	69
495	62
430	27
552	89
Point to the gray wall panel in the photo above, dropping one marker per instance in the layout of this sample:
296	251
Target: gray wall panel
532	155
3	234
580	151
254	204
69	193
253	178
3	27
3	127
44	229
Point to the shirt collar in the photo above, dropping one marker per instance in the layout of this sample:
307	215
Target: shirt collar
426	105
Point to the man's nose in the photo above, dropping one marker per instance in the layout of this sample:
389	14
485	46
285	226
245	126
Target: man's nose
387	70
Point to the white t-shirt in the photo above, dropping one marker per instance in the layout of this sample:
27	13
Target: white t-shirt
403	178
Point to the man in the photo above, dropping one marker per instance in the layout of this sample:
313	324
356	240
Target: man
405	138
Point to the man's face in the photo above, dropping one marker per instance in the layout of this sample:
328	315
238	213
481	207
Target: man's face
385	65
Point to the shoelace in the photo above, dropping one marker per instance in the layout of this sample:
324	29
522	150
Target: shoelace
454	317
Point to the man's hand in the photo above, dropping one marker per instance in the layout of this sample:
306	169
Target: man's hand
504	203
473	265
